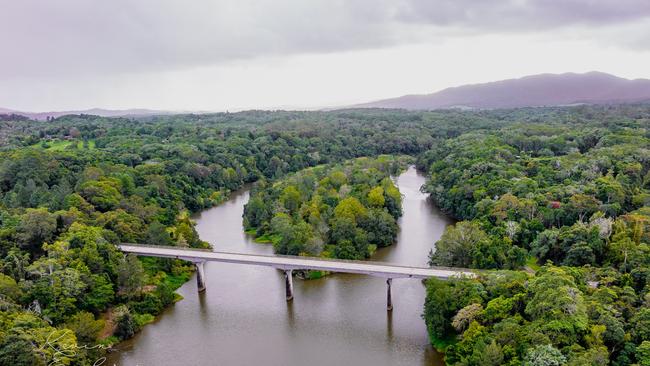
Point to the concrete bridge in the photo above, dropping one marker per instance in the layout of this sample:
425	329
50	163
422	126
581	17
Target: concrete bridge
290	263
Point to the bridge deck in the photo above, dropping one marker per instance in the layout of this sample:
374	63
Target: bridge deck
292	262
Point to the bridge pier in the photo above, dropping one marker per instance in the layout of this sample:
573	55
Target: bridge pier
288	284
389	301
200	276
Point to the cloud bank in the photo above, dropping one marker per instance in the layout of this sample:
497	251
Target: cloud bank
66	38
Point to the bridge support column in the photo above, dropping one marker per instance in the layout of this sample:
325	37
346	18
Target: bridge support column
288	284
389	301
200	276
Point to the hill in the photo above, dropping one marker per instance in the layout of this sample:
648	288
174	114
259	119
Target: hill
530	91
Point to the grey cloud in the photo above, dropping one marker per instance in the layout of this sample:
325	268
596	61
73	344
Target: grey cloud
63	37
524	14
43	38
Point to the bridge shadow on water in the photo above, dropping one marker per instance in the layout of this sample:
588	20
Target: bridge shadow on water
291	316
389	327
203	306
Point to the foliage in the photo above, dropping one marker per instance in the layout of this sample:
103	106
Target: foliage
350	208
458	245
567	185
551	318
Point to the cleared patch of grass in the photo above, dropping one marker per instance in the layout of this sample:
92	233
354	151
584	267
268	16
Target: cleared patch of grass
143	319
268	239
314	275
531	262
109	341
59	145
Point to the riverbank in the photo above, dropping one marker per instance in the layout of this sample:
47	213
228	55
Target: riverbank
243	317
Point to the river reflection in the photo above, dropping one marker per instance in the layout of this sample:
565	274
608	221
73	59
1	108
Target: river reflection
243	318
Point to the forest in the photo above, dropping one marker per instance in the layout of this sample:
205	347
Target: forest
336	211
553	209
549	195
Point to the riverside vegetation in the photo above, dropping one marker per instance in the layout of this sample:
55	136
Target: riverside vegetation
554	200
338	211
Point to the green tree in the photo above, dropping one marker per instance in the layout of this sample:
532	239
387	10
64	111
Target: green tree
640	325
100	293
610	190
350	208
255	212
58	292
458	245
557	305
465	316
392	197
104	195
380	227
290	199
642	353
544	355
157	234
376	197
584	205
17	350
126	326
337	179
16	263
444	299
85	327
36	226
130	276
9	288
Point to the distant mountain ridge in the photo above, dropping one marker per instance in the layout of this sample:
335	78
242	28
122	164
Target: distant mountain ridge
94	111
529	91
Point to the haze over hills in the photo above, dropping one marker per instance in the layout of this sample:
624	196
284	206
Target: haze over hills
94	111
530	91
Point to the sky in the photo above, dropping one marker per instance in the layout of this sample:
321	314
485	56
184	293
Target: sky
216	55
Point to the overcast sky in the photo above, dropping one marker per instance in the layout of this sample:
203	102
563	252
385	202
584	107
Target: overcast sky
240	54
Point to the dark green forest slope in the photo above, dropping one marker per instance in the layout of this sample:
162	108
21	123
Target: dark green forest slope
565	185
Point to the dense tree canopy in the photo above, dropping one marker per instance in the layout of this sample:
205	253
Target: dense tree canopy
571	191
568	186
554	317
559	192
337	210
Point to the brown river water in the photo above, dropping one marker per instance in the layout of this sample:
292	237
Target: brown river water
244	319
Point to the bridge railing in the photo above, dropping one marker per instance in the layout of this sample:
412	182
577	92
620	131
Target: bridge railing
154	246
334	260
187	254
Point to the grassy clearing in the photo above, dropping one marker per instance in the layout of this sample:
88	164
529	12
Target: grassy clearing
268	239
531	263
108	341
59	145
143	319
314	275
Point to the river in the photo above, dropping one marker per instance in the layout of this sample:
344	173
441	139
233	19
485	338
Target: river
243	318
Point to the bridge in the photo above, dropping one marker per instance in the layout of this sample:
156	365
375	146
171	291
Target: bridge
290	263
